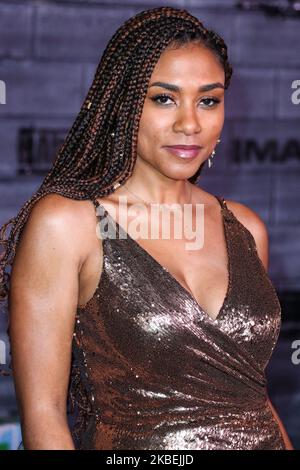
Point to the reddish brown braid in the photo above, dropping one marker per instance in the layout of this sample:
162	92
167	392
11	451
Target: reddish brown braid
90	161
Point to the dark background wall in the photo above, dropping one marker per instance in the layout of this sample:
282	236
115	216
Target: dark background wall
49	51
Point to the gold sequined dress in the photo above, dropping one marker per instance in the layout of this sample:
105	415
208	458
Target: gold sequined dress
152	370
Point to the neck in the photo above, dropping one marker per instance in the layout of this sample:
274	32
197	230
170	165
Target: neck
179	195
156	188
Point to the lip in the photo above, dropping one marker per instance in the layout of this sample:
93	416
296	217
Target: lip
184	151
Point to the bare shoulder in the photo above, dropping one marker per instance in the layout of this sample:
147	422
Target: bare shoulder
58	207
56	217
256	226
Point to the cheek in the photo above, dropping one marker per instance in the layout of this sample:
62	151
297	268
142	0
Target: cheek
155	120
152	133
145	138
214	122
221	117
221	114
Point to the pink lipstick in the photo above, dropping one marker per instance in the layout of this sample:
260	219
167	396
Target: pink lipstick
184	151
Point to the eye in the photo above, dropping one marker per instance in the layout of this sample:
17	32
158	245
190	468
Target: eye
162	100
157	98
213	101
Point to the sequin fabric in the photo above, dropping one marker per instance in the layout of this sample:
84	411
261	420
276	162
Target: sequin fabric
151	370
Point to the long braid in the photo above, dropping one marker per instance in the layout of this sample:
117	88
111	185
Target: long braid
90	161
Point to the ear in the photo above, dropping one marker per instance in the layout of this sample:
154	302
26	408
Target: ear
255	224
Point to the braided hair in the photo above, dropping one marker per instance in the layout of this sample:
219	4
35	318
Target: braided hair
100	147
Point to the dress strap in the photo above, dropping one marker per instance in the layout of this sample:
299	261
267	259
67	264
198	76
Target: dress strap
95	202
113	228
100	210
222	201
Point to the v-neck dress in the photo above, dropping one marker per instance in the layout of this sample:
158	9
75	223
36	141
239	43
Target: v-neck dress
152	370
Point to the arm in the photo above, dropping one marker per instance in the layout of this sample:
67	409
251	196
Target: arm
42	306
257	227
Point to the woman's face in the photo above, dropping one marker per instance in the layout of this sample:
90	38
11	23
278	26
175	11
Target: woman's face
187	116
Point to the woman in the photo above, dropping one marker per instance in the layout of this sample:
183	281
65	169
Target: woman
163	351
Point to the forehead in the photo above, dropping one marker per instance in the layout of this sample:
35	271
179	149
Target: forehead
192	63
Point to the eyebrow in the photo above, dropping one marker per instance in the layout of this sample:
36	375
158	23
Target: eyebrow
171	87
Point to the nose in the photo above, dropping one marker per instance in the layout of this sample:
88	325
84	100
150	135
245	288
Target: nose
187	121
